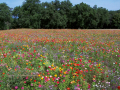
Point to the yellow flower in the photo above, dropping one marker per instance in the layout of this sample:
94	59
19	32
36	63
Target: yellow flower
60	75
43	63
101	69
60	68
64	72
70	67
72	82
39	75
42	78
93	78
73	76
29	62
99	64
55	75
52	65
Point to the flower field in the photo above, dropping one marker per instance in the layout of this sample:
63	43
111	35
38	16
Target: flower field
62	59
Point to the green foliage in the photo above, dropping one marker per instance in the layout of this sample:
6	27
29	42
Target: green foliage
5	16
57	15
116	20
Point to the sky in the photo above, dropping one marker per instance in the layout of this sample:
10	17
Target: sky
108	4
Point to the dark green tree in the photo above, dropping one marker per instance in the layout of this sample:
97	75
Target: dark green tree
67	11
16	13
5	16
116	21
83	15
30	17
103	16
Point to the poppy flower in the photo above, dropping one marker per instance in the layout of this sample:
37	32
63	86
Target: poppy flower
118	87
68	88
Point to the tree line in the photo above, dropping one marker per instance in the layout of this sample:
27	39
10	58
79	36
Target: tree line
57	15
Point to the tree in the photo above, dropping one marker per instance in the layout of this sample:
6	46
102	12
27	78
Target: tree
83	19
58	19
31	14
67	11
16	13
5	16
103	16
116	21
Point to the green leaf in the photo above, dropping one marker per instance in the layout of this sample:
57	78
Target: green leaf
47	63
41	68
40	63
57	69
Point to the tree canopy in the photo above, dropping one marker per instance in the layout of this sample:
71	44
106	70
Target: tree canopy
57	15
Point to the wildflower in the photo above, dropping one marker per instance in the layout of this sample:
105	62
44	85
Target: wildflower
31	84
57	82
68	88
55	75
63	80
38	75
16	87
118	87
72	82
41	78
88	85
40	86
34	80
22	87
47	70
24	81
63	75
76	88
94	80
94	76
26	77
64	72
48	73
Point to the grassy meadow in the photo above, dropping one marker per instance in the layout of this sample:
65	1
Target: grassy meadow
60	59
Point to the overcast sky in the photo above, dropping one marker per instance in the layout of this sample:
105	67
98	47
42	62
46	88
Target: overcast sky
108	4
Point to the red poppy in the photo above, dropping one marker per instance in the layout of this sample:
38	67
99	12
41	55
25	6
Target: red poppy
118	87
78	80
68	88
89	60
57	82
98	67
63	65
34	80
68	65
